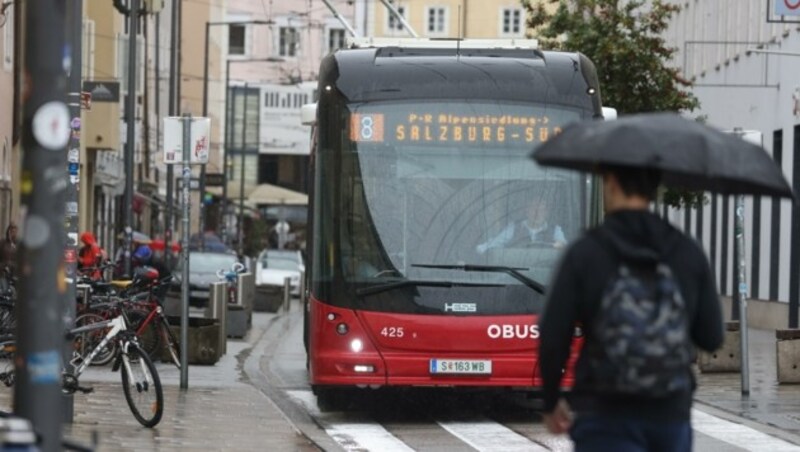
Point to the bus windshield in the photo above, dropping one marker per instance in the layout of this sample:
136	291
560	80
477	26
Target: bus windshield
427	188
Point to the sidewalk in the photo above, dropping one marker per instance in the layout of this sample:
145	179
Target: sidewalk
768	403
219	411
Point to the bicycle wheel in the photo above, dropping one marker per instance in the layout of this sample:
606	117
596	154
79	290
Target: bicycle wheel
84	343
149	338
142	386
170	342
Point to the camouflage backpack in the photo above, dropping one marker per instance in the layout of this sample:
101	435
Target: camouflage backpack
640	340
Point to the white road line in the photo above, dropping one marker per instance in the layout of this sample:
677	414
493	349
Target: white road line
352	436
738	434
366	437
490	436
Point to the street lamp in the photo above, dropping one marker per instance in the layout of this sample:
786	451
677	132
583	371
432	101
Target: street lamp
209	24
227	135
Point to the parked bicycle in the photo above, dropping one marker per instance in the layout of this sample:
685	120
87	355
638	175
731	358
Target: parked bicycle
141	383
143	307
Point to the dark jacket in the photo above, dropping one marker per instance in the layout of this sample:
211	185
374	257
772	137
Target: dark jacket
575	293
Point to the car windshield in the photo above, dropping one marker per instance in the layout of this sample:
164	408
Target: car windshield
279	263
208	262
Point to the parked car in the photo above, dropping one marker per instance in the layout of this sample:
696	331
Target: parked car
203	268
273	266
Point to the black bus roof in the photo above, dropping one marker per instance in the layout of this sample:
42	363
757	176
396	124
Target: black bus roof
394	72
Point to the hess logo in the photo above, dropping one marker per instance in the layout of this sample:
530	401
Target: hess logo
460	307
507	331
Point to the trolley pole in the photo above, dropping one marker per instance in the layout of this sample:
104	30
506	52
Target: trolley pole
45	135
187	176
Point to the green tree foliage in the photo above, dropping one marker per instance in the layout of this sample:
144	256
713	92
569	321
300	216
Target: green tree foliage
624	40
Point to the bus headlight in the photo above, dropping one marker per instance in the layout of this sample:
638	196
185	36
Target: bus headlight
342	328
356	345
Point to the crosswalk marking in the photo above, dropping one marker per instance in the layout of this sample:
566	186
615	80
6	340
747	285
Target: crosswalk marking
487	436
353	436
365	437
739	435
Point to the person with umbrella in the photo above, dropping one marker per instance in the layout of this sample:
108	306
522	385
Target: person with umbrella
640	290
627	417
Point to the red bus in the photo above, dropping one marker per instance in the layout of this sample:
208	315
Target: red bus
431	231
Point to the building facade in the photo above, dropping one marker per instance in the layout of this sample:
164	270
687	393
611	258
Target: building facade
448	18
744	71
277	58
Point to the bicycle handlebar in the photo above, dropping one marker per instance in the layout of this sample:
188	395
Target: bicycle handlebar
229	275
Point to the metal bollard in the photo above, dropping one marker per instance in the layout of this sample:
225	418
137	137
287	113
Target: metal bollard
218	309
302	288
287	293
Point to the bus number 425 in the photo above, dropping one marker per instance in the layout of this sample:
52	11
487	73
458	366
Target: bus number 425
392	331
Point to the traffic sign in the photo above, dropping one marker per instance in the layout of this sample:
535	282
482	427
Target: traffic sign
173	140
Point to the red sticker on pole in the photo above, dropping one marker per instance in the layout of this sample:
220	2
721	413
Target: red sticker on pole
70	255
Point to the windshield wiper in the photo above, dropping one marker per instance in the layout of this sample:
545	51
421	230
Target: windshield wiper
397	284
514	272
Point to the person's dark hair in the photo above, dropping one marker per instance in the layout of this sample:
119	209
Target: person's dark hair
636	181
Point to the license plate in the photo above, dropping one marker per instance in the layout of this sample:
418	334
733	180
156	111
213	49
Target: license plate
461	366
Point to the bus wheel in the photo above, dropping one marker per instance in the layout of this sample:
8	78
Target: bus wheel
329	399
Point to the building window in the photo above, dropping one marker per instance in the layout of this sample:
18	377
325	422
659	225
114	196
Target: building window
512	21
236	39
394	24
335	39
436	20
289	40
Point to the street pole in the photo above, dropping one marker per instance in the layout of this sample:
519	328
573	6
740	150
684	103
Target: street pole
185	203
741	290
173	111
201	209
740	281
241	170
226	145
45	135
75	14
130	122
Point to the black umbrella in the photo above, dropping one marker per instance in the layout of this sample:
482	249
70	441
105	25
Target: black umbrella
689	154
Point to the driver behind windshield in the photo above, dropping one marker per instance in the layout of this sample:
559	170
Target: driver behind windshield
537	227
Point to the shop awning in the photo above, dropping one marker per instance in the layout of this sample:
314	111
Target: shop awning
275	195
263	194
